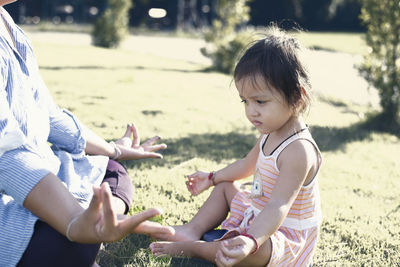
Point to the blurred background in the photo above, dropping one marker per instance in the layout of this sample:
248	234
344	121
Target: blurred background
315	15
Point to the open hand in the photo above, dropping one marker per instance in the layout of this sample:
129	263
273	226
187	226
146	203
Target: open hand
198	182
99	223
131	148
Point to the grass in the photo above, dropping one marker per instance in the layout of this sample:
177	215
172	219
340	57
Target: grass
200	117
352	43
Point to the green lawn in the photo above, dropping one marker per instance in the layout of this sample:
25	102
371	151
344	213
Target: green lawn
200	117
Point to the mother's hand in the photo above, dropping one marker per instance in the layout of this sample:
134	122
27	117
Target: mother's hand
99	223
131	148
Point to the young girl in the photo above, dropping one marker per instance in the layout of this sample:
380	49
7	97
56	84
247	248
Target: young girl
277	222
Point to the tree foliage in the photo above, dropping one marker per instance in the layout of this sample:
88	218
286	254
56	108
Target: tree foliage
381	66
110	28
225	42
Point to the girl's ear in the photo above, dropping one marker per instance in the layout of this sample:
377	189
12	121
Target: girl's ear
303	91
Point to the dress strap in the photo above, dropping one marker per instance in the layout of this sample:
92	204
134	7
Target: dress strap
296	133
301	134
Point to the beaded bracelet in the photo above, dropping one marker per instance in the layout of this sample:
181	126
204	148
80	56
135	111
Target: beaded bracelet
255	241
211	176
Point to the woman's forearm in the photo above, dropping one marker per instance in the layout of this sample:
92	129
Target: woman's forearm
51	201
95	145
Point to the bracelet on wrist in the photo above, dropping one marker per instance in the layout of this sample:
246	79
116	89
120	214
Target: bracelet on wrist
117	150
255	242
69	228
211	177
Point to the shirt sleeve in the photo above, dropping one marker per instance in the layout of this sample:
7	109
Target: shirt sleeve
66	131
20	170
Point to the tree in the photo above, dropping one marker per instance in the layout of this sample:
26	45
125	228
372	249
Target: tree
225	42
110	28
381	66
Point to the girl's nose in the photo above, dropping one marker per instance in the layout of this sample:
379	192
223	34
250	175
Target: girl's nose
252	110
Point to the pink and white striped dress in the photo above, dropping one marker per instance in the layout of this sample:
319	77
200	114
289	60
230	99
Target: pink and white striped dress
294	242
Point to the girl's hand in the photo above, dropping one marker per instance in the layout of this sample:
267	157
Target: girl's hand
131	148
99	223
198	182
234	250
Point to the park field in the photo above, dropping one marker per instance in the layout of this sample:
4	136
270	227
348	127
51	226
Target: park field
167	92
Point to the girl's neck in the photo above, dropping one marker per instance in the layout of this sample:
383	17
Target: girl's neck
293	125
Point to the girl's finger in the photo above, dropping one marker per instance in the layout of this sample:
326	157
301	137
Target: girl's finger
223	260
231	250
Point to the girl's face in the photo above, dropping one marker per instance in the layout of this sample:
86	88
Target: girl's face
265	108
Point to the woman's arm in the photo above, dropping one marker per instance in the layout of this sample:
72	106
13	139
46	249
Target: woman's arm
52	203
128	146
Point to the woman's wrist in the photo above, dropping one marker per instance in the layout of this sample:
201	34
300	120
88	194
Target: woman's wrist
69	226
117	151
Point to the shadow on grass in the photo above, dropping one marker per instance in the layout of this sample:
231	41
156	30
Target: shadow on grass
133	251
213	146
233	145
113	68
334	138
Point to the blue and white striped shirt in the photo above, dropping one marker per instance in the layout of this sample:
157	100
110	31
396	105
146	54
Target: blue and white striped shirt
29	121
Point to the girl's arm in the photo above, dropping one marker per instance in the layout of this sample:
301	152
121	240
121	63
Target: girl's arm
200	181
296	163
239	169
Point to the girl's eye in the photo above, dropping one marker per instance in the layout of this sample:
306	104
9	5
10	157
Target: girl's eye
243	101
261	102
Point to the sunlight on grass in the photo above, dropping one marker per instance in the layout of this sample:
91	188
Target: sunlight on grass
200	117
352	43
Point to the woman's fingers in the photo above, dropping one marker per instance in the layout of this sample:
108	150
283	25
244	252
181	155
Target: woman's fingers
95	203
110	223
151	155
128	131
136	137
152	140
155	147
130	223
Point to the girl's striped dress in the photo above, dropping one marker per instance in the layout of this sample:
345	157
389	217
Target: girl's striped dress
294	242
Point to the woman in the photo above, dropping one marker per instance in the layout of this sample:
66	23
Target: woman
57	204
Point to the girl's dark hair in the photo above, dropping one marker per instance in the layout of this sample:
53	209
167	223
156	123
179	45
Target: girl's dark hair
276	58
